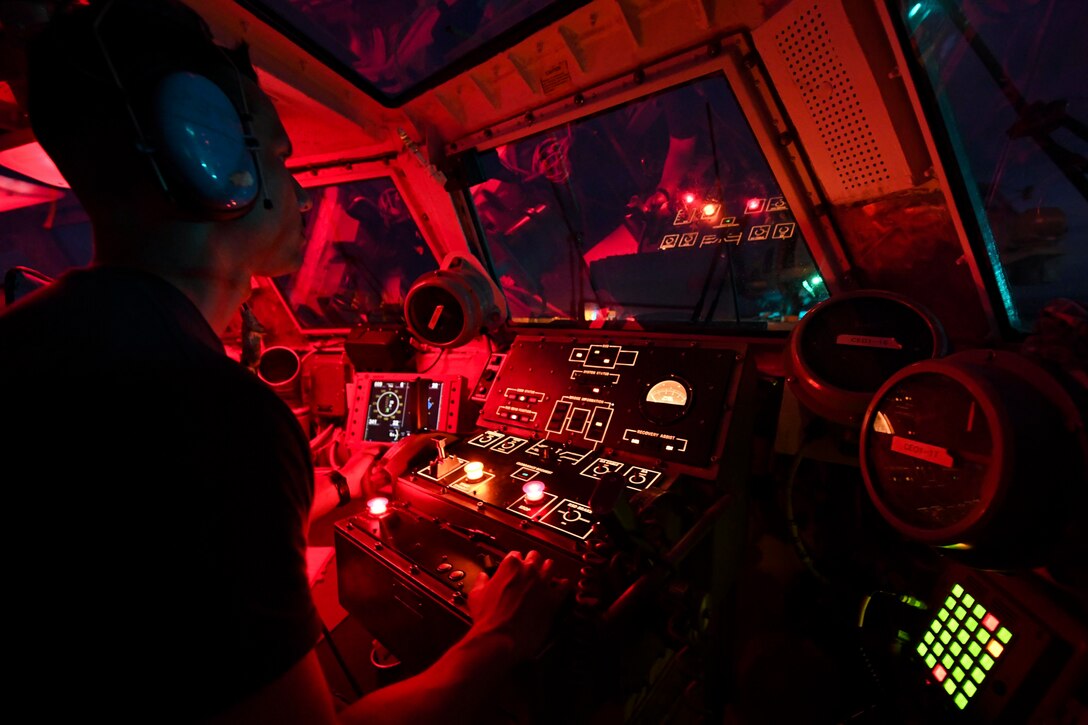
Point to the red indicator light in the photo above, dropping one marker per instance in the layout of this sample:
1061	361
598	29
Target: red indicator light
940	673
990	622
474	470
534	490
378	506
689	198
754	204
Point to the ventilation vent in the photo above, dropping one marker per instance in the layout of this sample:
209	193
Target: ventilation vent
822	76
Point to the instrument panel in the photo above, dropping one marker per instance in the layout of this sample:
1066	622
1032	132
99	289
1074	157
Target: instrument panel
662	398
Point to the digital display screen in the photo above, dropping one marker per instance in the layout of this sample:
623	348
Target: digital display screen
393	404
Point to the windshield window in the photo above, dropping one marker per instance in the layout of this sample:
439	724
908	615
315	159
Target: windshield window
363	251
1015	100
399	45
660	210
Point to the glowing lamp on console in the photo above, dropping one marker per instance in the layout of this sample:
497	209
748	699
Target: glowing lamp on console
689	198
474	470
378	506
533	490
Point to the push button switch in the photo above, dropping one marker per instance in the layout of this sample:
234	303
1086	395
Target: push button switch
445	566
456	575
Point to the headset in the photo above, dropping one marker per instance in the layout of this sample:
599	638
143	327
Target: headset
201	148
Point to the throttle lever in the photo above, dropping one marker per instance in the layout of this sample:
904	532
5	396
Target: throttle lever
610	507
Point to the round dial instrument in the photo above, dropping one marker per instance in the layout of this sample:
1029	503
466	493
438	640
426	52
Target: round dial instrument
667	400
982	451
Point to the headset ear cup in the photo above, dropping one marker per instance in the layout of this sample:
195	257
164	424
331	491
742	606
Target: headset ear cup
201	147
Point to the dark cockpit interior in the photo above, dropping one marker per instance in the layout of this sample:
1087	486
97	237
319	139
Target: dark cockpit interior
766	320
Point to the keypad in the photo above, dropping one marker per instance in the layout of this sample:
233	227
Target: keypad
962	645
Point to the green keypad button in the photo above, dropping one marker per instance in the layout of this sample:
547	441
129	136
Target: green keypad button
959	640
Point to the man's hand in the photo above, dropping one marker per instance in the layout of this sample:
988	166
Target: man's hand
518	603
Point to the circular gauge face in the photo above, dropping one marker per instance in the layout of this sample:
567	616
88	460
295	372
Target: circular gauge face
669	392
388	404
858	343
929	452
666	401
435	311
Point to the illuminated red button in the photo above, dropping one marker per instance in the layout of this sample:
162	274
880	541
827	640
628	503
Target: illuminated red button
940	673
533	490
990	622
377	506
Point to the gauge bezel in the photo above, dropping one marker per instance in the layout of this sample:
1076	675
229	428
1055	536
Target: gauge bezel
674	412
821	396
968	530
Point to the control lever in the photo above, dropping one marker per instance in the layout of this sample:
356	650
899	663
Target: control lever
441	464
609	505
397	459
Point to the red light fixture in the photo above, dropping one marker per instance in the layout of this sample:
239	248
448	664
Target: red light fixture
533	490
689	198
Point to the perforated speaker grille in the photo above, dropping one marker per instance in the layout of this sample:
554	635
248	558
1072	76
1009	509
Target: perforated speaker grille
831	97
824	78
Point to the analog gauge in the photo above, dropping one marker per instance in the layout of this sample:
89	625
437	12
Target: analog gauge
669	392
981	451
666	401
847	346
388	404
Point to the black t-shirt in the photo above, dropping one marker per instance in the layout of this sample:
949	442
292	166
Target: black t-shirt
156	496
